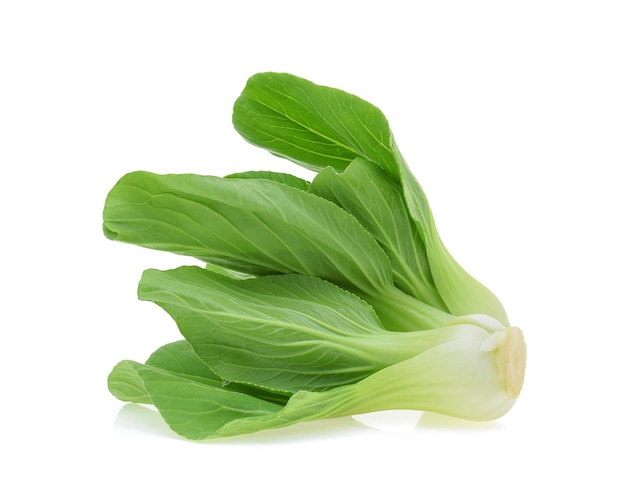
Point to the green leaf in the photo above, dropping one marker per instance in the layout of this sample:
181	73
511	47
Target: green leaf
177	358
367	191
125	384
279	177
461	292
284	332
311	125
180	359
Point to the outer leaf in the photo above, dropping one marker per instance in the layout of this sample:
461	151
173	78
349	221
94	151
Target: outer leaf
457	379
178	359
311	125
285	332
124	383
316	127
462	378
194	409
462	293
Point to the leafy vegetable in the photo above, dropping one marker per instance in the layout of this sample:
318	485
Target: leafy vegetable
317	299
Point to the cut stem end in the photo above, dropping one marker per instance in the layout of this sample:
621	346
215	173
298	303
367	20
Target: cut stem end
513	359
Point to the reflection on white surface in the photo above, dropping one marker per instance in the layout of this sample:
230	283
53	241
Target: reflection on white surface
430	420
141	420
401	421
390	421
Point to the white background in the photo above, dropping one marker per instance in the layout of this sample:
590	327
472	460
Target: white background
512	116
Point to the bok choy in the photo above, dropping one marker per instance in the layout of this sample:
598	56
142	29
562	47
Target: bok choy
310	299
